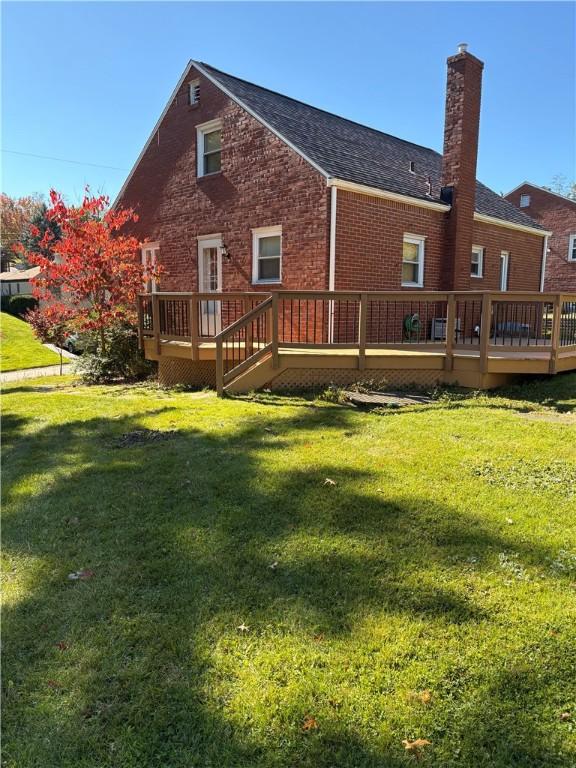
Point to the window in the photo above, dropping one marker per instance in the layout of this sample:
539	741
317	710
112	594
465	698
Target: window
267	255
149	259
572	248
413	261
209	145
524	201
193	92
477	262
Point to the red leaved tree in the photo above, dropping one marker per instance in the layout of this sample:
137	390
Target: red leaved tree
94	271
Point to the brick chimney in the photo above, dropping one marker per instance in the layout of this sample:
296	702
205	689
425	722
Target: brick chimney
461	126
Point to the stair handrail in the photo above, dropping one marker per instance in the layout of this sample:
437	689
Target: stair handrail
230	330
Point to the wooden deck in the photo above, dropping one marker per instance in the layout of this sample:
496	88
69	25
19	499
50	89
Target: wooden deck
287	340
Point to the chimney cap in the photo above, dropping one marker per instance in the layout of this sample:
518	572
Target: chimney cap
462	47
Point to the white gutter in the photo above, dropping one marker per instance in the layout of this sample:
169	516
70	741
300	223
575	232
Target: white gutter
543	268
362	189
332	260
510	225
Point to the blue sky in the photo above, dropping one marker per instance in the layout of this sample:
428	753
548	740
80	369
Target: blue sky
87	81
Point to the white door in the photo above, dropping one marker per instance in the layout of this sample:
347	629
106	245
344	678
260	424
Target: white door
210	281
504	262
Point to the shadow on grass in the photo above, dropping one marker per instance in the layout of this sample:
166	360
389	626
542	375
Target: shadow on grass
180	537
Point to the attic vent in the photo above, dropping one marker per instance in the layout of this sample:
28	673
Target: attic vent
412	166
194	92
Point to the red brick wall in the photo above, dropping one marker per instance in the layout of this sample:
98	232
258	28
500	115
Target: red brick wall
369	238
262	183
370	233
525	258
559	216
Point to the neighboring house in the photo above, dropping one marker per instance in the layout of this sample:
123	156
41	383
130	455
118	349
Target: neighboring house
557	214
240	188
17	281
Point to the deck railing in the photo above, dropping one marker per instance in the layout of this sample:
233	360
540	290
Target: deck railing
246	326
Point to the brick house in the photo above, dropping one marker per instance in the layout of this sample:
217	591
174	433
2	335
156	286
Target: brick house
241	188
557	214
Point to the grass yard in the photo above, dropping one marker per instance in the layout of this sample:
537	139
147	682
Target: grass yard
277	582
19	348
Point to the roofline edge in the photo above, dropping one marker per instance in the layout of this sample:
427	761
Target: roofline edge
362	189
484	219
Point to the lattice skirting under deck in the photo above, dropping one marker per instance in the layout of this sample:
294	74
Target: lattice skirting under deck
312	378
196	373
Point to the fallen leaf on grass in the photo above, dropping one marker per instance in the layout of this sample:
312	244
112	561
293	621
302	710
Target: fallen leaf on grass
566	716
309	723
273	565
243	627
329	481
53	684
85	573
424	696
62	646
415	747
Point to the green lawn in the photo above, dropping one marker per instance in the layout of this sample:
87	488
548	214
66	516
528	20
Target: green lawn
427	592
19	348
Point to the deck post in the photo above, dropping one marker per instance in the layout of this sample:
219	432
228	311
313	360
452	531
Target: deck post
555	340
450	332
275	360
140	324
219	368
193	310
362	320
156	321
246	307
485	323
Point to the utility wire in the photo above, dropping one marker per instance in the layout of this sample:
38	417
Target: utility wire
62	160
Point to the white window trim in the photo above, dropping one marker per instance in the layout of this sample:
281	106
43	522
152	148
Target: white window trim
479	249
201	131
504	273
154	247
571	246
256	235
194	92
420	241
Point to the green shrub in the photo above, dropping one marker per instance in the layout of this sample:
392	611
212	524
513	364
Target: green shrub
21	303
122	361
5	303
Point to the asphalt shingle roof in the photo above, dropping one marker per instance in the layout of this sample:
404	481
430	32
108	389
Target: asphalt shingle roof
353	152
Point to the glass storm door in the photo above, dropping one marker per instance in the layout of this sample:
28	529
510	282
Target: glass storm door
209	281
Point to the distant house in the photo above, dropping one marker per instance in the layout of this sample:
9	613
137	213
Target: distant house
17	281
557	214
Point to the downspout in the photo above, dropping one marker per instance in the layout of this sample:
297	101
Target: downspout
332	260
543	268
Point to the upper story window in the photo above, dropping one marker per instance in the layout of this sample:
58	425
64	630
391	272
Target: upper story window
477	261
267	255
572	248
149	253
193	92
413	261
209	147
524	201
